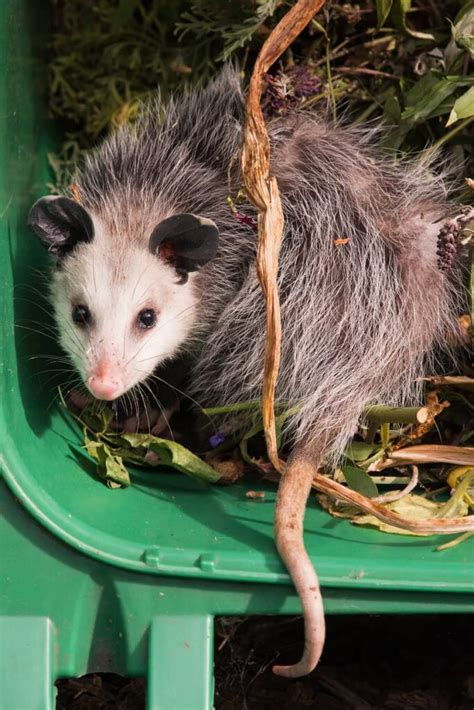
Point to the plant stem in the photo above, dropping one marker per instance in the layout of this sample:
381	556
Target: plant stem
447	137
379	414
229	408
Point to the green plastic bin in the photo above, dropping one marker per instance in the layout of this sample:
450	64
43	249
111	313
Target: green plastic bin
128	581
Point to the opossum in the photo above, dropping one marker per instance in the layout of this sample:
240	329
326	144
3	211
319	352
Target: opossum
153	265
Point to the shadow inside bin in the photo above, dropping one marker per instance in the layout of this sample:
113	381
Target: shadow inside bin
25	172
241	527
205	504
198	501
40	373
226	513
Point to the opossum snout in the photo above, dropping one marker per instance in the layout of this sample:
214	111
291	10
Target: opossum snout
106	381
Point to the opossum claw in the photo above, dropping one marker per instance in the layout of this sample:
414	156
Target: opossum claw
293	493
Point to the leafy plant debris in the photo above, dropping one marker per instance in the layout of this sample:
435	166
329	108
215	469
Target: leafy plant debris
115	452
407	61
112	450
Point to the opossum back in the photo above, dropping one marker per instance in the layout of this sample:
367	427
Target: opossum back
363	301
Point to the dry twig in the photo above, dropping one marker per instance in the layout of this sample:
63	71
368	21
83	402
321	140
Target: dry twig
438	526
262	190
396	495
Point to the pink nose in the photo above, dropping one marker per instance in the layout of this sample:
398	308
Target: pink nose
105	387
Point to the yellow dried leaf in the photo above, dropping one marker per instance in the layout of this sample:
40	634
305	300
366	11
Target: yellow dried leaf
411	507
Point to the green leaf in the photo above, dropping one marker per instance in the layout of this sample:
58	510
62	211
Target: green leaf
429	96
123	14
383	11
359	450
416	92
399	16
466	42
175	455
253	431
360	481
391	109
463	107
462	31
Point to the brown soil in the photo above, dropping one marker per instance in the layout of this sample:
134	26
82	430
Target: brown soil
392	663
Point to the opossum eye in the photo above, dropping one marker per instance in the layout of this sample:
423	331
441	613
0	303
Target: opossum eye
146	318
81	315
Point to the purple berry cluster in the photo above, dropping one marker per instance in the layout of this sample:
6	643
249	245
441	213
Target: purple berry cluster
447	245
448	238
286	90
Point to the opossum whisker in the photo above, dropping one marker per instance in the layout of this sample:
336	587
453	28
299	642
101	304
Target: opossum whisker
93	276
72	378
139	278
134	397
52	370
47	335
52	358
36	332
159	405
154	376
42	308
145	408
133	410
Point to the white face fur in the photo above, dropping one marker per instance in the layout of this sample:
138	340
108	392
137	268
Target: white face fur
120	314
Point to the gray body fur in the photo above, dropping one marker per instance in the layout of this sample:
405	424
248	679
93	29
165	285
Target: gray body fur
359	319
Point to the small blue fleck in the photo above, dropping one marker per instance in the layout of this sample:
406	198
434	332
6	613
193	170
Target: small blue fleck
216	440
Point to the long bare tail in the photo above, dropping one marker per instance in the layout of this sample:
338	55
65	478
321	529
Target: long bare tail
293	493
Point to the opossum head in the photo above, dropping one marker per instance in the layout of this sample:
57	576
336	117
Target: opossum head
123	303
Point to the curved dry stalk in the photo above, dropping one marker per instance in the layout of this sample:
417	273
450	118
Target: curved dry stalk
426	453
262	190
396	495
438	526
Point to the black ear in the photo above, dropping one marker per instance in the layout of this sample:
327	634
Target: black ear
60	224
185	240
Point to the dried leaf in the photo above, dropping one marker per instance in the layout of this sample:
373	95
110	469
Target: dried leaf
455	542
461	480
173	454
255	495
262	190
458	381
411	507
230	471
109	465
